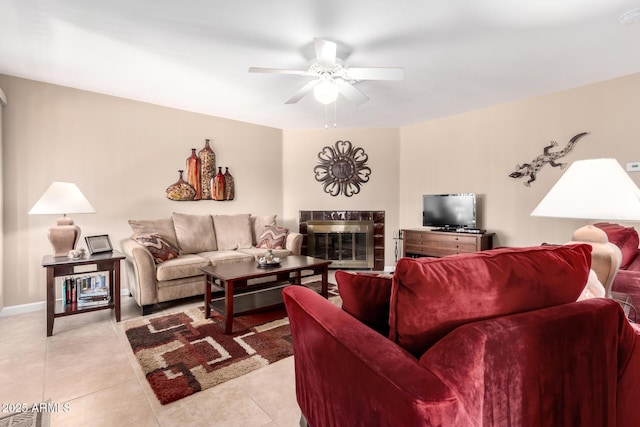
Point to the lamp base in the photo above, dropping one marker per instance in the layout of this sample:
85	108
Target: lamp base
605	256
63	236
590	233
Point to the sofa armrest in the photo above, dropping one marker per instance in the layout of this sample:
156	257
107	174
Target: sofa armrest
141	272
294	243
634	265
628	282
629	382
348	374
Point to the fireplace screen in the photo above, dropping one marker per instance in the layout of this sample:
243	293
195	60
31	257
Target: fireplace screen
349	244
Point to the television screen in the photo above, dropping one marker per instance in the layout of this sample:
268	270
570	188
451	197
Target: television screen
449	210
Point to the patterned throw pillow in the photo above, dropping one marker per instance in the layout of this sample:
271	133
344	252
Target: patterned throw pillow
272	237
159	249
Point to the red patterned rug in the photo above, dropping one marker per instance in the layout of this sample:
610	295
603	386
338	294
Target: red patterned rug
183	353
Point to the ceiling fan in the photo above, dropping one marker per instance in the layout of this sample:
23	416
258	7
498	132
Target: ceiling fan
333	77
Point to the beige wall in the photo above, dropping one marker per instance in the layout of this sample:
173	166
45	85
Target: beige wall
476	151
123	155
303	192
3	102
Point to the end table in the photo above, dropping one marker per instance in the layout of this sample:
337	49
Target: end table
63	266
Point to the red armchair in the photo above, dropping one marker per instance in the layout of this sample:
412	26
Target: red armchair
493	338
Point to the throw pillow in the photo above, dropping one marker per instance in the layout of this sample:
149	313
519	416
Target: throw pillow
233	231
272	237
163	226
431	297
366	296
626	238
258	223
194	233
157	246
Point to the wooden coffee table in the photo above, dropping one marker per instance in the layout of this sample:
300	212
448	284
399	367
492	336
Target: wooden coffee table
241	297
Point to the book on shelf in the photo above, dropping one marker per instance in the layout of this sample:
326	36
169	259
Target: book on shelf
85	290
91	303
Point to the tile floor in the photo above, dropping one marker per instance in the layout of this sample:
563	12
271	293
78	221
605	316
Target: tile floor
88	364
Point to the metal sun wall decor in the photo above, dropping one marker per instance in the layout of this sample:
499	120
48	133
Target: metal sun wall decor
531	169
342	169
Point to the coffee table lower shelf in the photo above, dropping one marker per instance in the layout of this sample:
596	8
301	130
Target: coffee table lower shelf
248	302
239	297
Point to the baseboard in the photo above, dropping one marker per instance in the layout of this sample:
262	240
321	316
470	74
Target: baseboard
23	308
36	306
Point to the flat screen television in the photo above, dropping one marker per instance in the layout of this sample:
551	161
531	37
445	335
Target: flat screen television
449	211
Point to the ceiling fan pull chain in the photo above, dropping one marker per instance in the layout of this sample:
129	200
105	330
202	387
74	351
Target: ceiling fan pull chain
326	118
335	114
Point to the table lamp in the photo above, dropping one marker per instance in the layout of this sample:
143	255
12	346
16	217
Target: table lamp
593	189
63	198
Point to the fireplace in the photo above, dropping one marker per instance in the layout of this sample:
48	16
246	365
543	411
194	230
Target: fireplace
350	239
349	244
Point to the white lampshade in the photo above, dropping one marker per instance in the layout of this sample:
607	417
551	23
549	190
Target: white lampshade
593	189
62	198
325	92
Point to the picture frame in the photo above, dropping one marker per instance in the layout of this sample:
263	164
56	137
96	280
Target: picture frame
98	244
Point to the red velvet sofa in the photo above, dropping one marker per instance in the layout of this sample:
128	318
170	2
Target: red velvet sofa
628	278
493	338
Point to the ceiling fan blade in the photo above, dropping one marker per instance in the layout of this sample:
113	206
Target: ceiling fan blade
325	52
376	73
350	92
302	92
275	71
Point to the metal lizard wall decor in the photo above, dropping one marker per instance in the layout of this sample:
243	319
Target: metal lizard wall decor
531	169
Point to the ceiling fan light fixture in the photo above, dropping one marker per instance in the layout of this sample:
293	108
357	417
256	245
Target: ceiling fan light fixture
631	17
333	77
325	92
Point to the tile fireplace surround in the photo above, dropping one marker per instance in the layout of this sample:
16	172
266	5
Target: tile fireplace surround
377	217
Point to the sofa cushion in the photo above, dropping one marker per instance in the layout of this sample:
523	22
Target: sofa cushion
162	226
226	257
178	268
366	296
272	237
432	296
194	233
157	246
258	223
257	253
626	238
233	231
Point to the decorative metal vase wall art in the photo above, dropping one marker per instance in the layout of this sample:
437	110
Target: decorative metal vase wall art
342	169
531	169
202	182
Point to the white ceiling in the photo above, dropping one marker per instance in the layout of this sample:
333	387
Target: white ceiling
194	55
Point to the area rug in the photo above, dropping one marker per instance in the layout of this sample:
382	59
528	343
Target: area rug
184	353
25	419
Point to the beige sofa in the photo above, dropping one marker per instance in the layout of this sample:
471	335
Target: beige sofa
164	257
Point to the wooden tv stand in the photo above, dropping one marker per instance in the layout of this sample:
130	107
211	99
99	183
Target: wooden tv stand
421	242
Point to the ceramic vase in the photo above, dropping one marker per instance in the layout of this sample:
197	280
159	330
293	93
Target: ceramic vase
193	173
181	190
229	185
217	186
207	170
